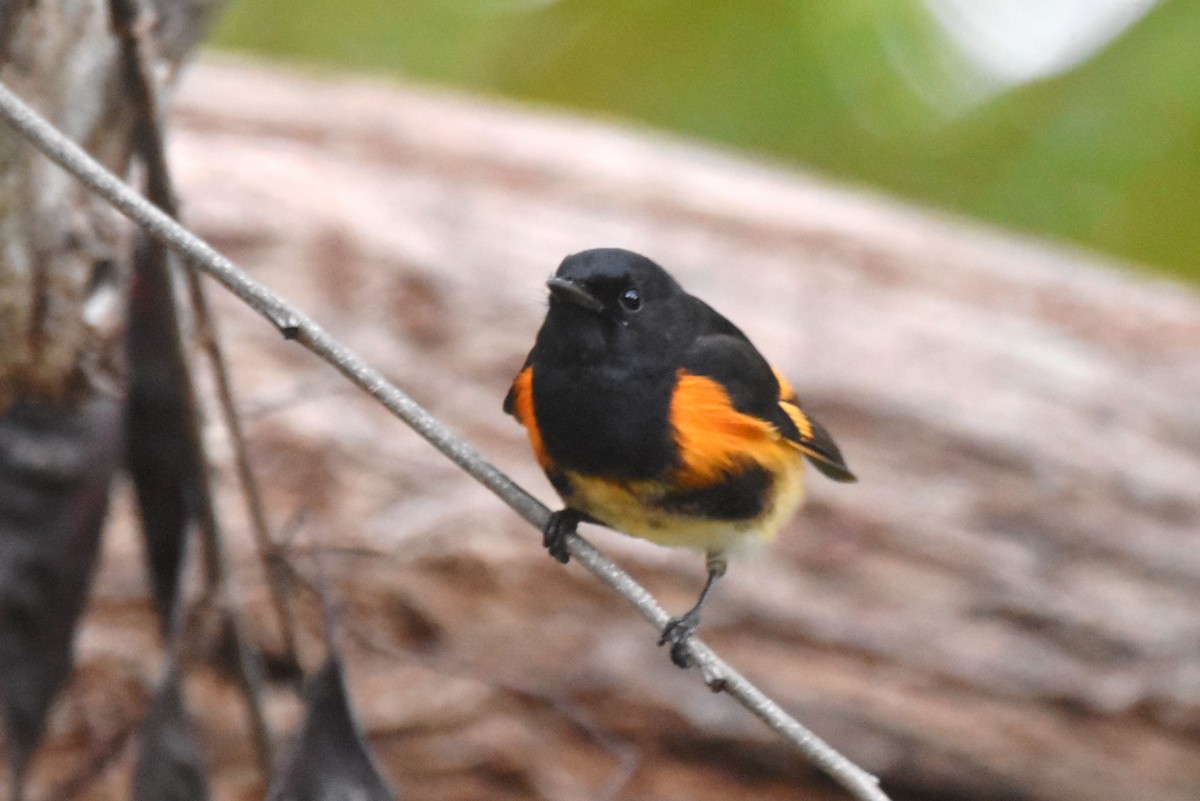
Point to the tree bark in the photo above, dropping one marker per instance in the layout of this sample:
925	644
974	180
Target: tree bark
64	281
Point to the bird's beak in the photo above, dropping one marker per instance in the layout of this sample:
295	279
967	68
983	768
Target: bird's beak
569	291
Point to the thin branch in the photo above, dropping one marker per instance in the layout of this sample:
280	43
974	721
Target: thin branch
148	147
627	755
127	17
295	325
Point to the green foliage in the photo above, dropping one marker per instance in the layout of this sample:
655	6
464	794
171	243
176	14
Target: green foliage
1106	155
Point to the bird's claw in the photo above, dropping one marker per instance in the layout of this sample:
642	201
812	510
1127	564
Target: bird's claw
677	633
554	537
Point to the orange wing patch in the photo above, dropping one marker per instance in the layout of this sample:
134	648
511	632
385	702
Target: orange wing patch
522	390
801	421
786	393
815	441
791	406
715	438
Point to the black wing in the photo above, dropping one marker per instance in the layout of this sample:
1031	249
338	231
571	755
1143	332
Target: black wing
722	352
745	376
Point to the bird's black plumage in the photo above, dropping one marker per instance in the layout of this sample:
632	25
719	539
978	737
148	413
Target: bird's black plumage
652	413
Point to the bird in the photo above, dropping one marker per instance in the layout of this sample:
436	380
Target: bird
652	414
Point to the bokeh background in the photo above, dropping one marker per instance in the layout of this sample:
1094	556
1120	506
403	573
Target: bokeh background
1076	120
1004	607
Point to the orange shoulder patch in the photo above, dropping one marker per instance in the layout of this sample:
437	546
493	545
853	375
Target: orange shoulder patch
715	438
522	390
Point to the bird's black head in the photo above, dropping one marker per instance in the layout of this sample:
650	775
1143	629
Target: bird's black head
612	304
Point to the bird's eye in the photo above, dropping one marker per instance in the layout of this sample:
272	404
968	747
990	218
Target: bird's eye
631	299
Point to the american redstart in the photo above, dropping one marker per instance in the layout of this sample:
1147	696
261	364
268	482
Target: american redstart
654	415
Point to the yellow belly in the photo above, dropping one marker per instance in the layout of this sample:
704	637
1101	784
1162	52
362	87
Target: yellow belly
636	508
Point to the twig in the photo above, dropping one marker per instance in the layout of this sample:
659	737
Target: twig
148	146
295	325
160	191
627	756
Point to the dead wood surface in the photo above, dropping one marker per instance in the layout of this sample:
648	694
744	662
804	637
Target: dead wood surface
1005	606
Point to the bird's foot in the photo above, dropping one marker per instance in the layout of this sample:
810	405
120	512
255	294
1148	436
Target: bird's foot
554	537
676	633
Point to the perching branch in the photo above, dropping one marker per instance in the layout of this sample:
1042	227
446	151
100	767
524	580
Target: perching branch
295	325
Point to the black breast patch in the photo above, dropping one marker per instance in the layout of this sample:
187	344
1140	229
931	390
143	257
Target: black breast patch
742	495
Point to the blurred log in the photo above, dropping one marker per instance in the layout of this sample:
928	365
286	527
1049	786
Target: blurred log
1004	607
